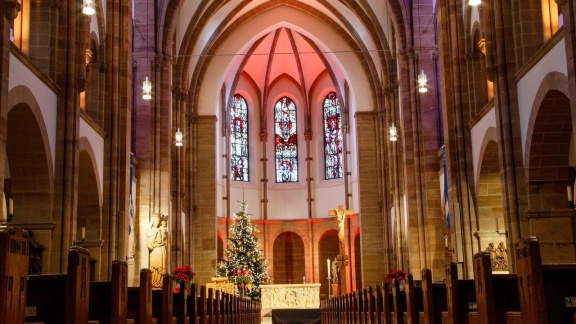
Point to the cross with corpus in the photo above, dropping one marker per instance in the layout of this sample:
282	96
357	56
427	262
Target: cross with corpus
342	258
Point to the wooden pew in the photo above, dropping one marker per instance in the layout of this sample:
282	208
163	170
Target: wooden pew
62	298
179	309
414	302
543	287
192	304
429	311
398	302
459	295
14	251
162	302
496	294
109	299
379	317
140	299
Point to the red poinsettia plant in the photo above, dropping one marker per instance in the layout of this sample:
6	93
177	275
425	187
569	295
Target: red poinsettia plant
399	274
182	274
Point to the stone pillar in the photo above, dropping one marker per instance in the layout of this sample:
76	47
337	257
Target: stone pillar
371	218
569	13
204	218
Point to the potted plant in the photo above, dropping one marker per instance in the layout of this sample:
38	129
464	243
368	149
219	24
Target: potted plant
182	274
395	274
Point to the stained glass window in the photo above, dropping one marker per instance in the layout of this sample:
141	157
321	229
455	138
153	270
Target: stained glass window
239	139
332	137
286	145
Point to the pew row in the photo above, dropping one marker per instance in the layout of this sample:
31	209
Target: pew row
538	293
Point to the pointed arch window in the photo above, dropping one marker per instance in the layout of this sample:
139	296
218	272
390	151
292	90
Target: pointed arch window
239	139
285	141
333	137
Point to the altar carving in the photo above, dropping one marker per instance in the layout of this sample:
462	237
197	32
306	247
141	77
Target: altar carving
289	296
498	257
222	284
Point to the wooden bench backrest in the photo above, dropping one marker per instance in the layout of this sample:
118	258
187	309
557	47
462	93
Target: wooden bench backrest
459	294
145	297
109	299
14	250
428	297
530	282
411	307
192	304
119	291
484	288
77	285
398	302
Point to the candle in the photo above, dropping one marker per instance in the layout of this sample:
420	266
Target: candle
83	232
10	206
328	263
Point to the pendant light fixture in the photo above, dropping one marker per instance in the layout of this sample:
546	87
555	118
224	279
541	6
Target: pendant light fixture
422	79
146	85
147	89
393	133
422	82
89	7
179	137
474	2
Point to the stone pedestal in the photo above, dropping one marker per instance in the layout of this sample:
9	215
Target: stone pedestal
335	289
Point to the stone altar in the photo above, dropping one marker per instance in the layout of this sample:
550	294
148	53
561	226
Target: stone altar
289	296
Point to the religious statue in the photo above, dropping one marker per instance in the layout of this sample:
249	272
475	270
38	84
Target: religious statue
340	214
501	257
498	257
334	272
157	241
342	259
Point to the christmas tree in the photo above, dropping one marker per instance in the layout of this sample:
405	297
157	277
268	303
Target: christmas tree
245	262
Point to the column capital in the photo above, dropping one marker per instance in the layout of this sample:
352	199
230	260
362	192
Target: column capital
11	7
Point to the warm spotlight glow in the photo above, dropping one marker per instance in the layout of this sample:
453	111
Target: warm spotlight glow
147	90
393	133
178	137
474	2
422	82
89	7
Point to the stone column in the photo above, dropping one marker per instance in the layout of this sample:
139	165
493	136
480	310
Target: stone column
204	220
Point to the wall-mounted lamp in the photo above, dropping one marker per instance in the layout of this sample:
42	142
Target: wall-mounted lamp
474	2
422	82
393	133
89	7
178	137
147	89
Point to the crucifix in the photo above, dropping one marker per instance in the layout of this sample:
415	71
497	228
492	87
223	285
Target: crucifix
342	258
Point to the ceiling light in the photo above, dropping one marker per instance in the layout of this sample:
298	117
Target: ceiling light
147	88
89	7
178	137
393	133
422	82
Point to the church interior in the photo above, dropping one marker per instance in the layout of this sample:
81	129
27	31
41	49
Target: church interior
443	128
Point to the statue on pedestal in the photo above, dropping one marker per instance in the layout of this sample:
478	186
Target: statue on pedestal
157	242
